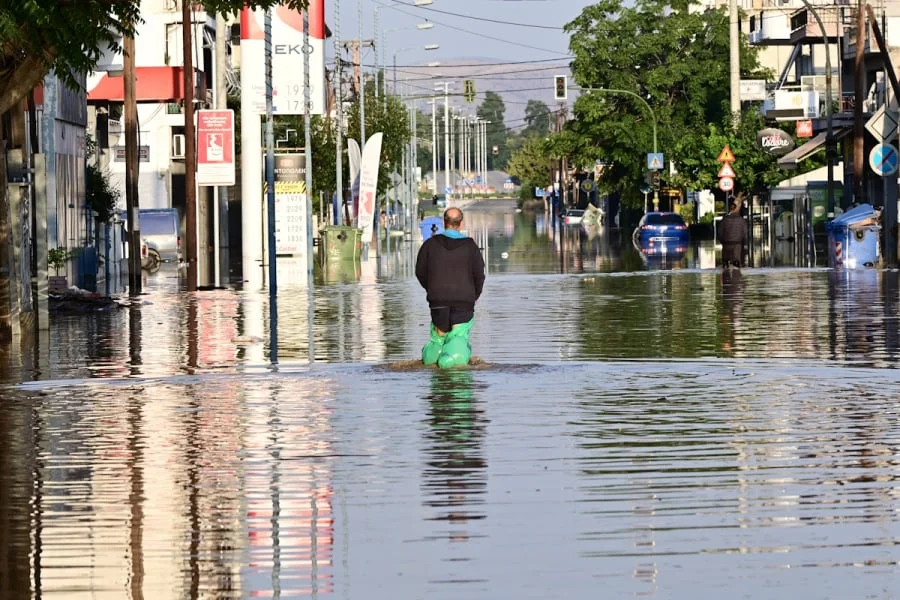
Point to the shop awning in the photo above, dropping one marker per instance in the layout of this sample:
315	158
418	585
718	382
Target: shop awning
153	84
816	143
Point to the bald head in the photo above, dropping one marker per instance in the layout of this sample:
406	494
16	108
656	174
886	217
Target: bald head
453	218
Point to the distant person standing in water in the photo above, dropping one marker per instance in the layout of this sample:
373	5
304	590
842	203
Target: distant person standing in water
732	234
450	268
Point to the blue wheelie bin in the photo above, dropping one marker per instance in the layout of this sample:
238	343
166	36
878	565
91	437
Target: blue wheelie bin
430	226
854	239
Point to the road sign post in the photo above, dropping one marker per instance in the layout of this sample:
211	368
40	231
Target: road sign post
726	173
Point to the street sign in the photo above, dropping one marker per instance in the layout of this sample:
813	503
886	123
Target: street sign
655	161
215	147
726	184
752	89
726	171
471	182
587	185
883	125
883	159
726	155
804	129
448	190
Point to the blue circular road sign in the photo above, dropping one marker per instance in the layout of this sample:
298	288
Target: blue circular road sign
884	159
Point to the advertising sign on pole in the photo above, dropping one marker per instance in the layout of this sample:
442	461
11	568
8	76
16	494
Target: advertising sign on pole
290	204
215	147
287	58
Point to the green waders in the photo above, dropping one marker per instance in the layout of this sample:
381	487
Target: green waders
450	350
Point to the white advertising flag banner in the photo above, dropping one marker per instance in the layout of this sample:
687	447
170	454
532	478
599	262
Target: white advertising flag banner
368	185
355	157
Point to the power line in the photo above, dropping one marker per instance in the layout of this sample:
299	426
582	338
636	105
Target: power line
496	39
483	19
494	64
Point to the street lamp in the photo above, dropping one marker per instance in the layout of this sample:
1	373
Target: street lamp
378	49
428	47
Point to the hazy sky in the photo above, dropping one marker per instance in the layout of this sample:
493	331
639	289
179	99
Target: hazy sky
460	37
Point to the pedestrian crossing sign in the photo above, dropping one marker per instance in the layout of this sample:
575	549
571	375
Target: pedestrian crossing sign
655	161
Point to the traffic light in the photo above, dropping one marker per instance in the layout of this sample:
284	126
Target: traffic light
469	90
561	87
655	180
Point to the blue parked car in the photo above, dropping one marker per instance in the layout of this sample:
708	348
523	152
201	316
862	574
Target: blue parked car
661	228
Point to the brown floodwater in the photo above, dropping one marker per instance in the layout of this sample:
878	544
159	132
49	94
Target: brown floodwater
629	428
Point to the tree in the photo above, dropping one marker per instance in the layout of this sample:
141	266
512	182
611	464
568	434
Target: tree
674	62
531	164
425	152
493	109
537	115
392	120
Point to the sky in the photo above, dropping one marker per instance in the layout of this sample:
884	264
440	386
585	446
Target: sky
475	31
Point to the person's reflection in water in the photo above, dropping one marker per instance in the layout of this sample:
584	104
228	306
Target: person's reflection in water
733	298
455	478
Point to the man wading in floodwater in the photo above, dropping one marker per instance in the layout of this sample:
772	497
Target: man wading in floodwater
451	270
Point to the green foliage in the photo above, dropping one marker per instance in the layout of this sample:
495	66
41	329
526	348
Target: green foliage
58	257
424	153
389	116
697	166
537	115
669	56
493	109
531	164
686	211
98	193
323	137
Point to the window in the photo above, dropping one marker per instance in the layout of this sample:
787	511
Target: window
665	219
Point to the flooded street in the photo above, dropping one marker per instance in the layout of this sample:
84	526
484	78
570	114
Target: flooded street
634	427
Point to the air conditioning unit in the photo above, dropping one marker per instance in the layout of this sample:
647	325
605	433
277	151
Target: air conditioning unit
178	145
789	105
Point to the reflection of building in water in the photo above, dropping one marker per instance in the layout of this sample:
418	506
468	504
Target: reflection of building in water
18	490
455	478
287	484
158	490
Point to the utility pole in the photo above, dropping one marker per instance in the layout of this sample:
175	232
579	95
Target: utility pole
190	147
338	111
220	193
434	145
307	109
859	138
132	204
446	135
362	84
734	45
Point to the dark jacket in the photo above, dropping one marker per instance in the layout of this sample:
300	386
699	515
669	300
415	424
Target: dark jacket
732	229
451	271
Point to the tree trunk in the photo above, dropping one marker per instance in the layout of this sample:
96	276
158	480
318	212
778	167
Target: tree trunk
5	304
